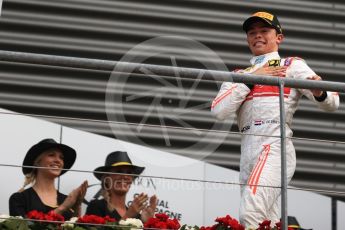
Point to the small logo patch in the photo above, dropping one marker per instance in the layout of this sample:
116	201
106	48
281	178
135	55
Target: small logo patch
264	15
274	62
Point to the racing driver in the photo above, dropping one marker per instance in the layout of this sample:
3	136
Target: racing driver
257	109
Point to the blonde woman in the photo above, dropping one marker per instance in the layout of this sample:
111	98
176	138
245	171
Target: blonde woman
115	188
42	195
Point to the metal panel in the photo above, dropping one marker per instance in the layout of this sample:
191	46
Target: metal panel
107	29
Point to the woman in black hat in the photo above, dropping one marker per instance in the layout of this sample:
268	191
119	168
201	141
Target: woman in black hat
115	188
42	195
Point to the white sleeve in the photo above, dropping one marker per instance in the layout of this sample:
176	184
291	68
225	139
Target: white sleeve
229	99
300	70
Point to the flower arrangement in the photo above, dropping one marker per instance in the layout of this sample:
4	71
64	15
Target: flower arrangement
52	221
162	221
225	223
96	220
90	222
42	220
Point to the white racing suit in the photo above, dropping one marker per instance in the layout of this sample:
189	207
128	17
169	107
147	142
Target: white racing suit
258	113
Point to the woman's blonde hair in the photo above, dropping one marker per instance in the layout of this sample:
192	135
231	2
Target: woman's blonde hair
30	178
106	192
107	197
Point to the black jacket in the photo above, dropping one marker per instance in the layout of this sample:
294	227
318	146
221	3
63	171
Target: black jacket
20	203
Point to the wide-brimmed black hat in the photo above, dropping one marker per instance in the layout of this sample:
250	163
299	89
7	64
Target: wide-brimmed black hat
44	145
293	223
116	159
266	17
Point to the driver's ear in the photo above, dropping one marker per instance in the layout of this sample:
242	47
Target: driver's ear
280	38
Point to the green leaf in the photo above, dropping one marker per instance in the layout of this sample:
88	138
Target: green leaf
23	225
12	224
79	228
183	227
196	227
92	228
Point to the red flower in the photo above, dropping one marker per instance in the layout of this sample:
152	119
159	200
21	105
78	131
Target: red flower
151	222
109	219
162	221
229	223
44	219
35	215
265	225
224	223
235	225
278	225
207	228
173	224
161	225
162	216
54	216
91	219
51	216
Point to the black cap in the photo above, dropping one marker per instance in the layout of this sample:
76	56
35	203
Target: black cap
293	223
116	159
266	17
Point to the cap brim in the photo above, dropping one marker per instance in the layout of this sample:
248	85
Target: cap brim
100	171
68	153
253	19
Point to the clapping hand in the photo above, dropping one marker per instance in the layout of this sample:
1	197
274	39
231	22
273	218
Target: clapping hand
149	210
73	200
138	204
81	192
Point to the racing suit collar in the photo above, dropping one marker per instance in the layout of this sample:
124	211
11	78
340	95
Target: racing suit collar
257	60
